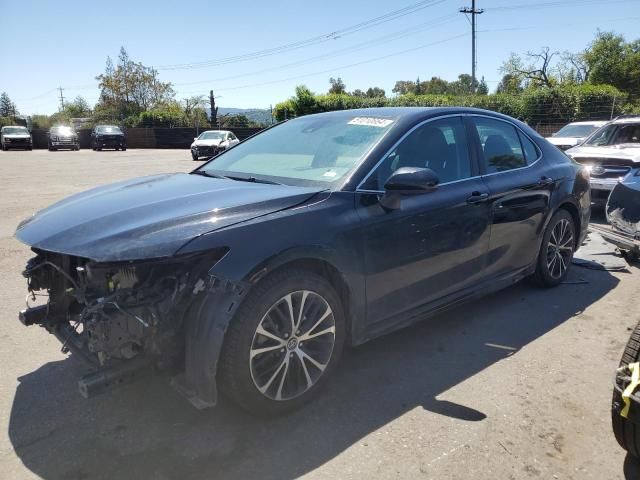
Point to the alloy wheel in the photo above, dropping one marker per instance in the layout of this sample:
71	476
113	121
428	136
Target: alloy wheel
292	345
560	248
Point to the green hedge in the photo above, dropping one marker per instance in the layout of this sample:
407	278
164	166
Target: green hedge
536	107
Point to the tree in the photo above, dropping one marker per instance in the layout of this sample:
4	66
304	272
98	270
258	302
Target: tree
7	107
358	93
536	71
613	61
375	92
482	88
337	85
510	83
130	88
402	87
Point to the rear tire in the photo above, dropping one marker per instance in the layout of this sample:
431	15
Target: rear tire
556	251
195	158
256	381
626	432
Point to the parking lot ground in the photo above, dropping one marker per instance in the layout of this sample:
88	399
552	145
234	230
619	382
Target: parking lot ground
513	386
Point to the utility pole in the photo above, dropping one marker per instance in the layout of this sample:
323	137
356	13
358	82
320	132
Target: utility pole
61	98
473	11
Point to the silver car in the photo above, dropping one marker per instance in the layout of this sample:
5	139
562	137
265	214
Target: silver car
212	142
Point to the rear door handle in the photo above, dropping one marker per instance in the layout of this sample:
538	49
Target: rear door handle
545	181
477	197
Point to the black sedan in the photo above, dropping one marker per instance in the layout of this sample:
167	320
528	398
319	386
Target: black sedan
253	272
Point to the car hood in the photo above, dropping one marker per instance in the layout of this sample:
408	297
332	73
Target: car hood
208	143
565	140
151	217
627	151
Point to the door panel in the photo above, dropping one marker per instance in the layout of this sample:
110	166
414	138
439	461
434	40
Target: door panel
519	195
433	245
436	242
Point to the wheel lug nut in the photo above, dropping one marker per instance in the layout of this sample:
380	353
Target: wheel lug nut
286	335
282	350
298	332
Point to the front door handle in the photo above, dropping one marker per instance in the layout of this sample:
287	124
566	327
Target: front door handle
477	197
545	181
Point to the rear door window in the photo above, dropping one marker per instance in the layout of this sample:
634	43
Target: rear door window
501	147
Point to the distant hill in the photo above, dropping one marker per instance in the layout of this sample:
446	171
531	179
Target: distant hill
258	115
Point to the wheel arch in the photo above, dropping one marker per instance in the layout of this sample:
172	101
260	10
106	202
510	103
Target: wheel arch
572	209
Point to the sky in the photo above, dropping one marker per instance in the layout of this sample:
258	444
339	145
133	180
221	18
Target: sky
253	53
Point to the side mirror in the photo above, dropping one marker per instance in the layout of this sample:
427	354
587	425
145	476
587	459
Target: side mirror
195	138
407	181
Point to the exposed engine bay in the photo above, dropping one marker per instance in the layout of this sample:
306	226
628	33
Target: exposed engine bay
121	318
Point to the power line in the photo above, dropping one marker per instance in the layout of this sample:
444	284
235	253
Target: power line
361	46
554	4
373	22
370	60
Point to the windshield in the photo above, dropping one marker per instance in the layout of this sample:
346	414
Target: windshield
62	130
211	136
616	134
314	150
577	131
108	130
14	130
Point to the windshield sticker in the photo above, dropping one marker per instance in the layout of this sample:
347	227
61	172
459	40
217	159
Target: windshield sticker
371	122
329	173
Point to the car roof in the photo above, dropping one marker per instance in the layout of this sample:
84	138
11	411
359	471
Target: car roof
405	116
215	131
589	122
13	126
627	120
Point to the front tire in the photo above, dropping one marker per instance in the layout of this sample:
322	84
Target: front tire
283	343
556	251
626	432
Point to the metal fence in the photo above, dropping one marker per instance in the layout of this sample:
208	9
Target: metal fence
149	137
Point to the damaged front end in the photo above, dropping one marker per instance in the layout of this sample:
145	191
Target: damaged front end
623	215
124	319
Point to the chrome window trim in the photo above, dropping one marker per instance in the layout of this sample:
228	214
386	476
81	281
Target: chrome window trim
384	157
409	132
519	130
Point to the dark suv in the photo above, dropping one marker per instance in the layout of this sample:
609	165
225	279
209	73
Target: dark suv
108	136
62	137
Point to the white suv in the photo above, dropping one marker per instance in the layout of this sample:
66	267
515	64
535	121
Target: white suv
611	153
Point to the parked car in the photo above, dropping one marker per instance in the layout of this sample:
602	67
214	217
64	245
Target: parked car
574	133
212	142
610	153
252	272
108	136
62	137
15	137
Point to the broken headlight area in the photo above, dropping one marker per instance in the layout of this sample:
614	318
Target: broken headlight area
121	318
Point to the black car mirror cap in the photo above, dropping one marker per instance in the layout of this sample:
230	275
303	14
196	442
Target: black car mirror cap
407	181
